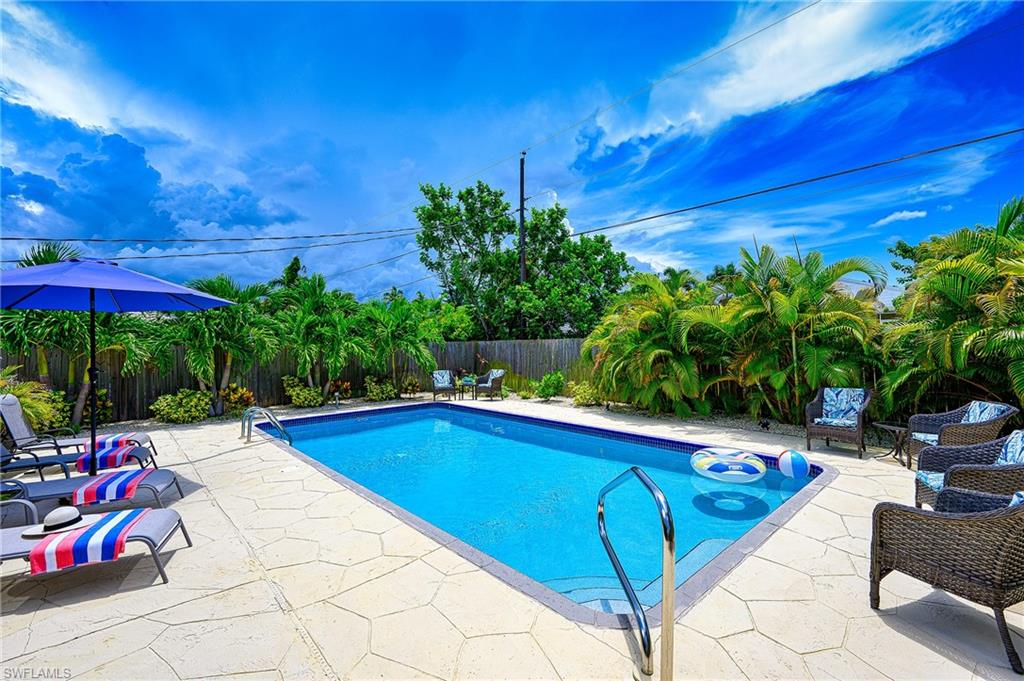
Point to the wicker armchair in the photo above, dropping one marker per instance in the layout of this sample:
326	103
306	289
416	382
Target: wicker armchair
970	467
972	545
951	430
442	383
490	383
854	435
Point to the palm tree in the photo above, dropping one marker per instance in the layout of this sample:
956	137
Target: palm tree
961	335
394	327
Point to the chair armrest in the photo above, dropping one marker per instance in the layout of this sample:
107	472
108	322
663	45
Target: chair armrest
58	431
15	487
956	500
930	423
36	465
813	408
939	458
31	514
1003	480
862	413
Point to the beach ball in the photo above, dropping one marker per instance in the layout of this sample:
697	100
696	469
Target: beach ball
793	464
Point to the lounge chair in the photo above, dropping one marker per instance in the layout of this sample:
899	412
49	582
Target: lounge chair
490	383
971	545
971	424
838	414
154	530
29	460
443	383
996	467
155	484
26	439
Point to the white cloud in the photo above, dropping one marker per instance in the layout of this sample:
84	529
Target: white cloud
30	206
945	208
900	216
826	45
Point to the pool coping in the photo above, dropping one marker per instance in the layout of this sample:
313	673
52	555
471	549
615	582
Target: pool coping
687	594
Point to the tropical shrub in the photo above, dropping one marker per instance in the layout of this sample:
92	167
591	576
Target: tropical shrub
104	407
36	399
343	389
766	339
300	394
551	385
184	406
379	389
236	399
583	394
528	390
411	385
62	408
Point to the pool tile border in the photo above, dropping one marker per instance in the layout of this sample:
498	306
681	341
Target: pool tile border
687	594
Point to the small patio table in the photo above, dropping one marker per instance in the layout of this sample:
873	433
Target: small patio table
464	384
898	432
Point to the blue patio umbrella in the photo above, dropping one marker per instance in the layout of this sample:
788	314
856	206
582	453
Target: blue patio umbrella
96	286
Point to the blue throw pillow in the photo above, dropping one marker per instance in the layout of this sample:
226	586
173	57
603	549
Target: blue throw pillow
1013	449
842	403
979	412
442	378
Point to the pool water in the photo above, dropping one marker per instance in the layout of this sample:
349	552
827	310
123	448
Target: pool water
525	493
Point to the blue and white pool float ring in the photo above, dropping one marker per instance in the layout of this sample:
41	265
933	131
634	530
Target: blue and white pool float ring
728	465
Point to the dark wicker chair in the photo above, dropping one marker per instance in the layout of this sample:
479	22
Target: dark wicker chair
972	545
970	467
490	383
440	386
951	430
854	435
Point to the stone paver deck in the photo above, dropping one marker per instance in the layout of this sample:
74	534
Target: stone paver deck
293	576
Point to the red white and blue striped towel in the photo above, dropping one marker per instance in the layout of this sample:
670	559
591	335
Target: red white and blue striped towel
113	441
113	457
109	487
103	540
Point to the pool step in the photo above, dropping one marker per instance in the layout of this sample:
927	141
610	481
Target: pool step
604	593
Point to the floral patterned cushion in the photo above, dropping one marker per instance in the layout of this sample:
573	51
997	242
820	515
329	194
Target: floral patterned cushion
929	438
979	412
1013	449
932	479
442	378
1017	499
842	403
493	374
841	423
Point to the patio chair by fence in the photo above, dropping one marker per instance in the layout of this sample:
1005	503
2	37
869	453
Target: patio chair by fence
838	414
490	383
972	546
442	383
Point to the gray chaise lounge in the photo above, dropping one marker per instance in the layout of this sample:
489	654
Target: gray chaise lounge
155	484
26	439
154	530
29	460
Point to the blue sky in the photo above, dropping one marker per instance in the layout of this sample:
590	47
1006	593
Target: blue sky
153	120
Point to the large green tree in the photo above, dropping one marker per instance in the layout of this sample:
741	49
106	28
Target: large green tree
468	241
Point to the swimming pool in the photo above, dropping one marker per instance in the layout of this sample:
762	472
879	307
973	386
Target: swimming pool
523	491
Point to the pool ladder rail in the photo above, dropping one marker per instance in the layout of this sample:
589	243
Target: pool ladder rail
249	418
668	573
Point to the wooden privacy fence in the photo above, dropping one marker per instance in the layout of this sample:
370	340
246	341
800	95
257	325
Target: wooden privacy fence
132	394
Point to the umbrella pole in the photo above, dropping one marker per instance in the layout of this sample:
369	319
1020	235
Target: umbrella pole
92	381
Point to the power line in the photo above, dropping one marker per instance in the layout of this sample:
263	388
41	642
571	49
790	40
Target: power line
811	180
167	256
198	240
379	262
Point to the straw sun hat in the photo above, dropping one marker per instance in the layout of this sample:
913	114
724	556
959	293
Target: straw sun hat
60	519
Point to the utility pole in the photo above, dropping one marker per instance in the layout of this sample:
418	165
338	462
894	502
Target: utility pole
522	218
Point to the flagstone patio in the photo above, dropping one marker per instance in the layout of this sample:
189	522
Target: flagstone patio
293	576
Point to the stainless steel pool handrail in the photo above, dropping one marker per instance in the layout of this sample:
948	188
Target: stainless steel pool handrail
249	418
668	573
